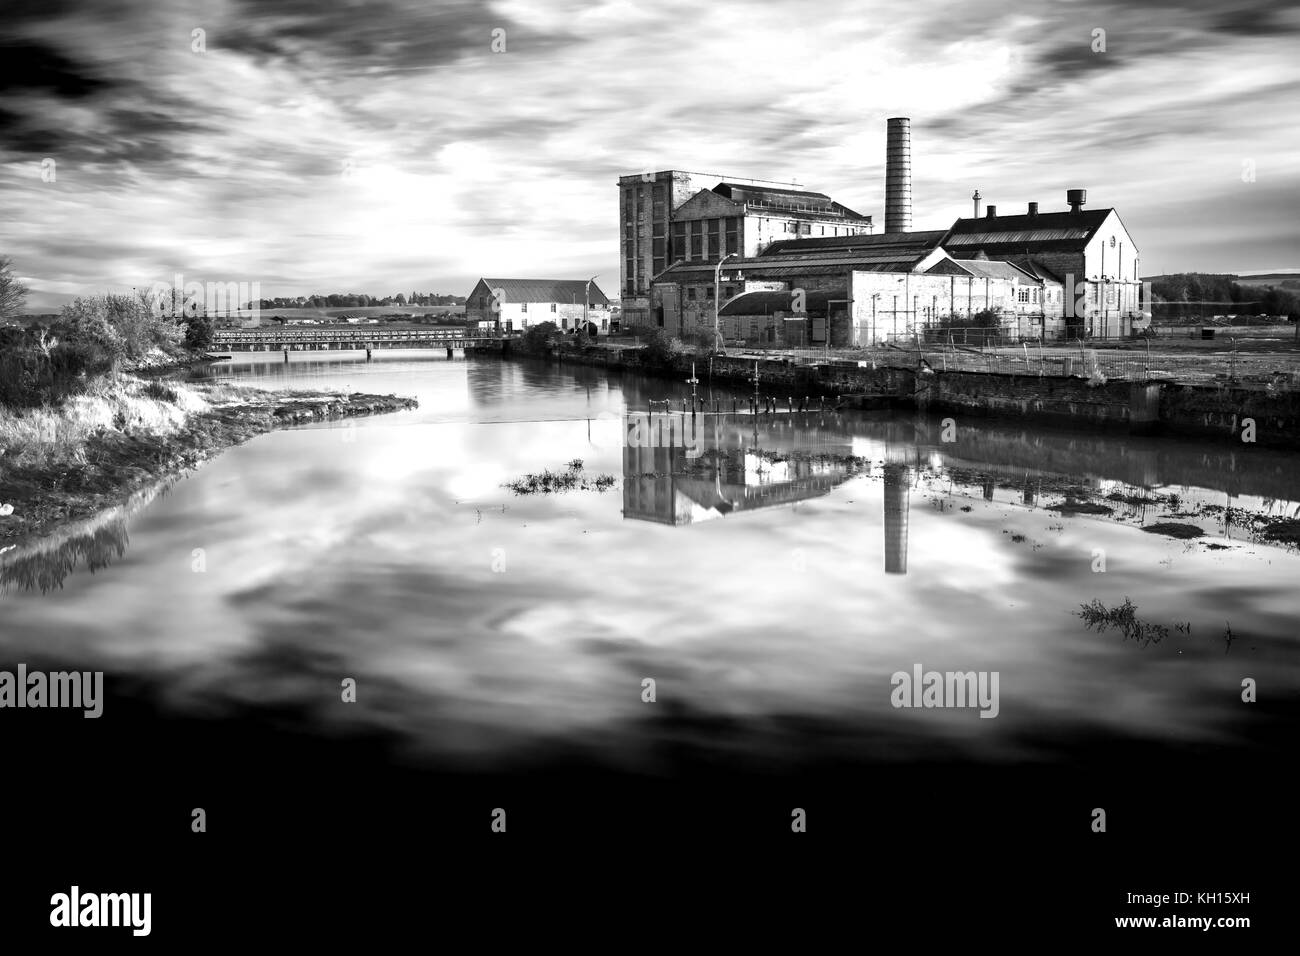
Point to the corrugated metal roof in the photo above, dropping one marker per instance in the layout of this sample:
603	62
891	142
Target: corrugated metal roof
993	269
768	303
902	240
1074	228
726	189
547	290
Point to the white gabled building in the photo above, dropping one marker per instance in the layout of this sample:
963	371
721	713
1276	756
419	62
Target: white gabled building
513	305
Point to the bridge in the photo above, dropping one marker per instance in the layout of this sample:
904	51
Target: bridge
295	339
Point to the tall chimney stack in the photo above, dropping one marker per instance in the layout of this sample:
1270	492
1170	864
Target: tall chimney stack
898	175
1033	209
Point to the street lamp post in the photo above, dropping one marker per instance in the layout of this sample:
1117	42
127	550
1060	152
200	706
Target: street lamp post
717	301
586	303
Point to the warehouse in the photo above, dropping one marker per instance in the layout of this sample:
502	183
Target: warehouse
1037	276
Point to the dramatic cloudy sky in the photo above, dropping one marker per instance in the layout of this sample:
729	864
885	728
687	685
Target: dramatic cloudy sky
383	146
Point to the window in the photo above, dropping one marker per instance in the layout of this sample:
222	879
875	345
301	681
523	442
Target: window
708	292
1023	295
727	292
552	306
523	306
690	293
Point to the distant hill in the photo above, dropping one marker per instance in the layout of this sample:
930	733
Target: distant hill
1269	278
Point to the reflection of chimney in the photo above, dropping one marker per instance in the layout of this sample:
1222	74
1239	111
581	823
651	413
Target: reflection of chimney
898	175
898	485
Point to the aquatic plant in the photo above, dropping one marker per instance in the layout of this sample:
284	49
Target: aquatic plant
1122	617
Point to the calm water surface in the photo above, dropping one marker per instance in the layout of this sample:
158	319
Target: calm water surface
770	586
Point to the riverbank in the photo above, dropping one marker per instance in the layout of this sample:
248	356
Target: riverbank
96	450
1237	413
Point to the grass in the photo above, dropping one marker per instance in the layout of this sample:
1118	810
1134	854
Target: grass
1286	530
1174	529
47	437
570	479
1124	618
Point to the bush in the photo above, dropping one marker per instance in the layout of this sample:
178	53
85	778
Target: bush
200	332
659	347
540	338
122	326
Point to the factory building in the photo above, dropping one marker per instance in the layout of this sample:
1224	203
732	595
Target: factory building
670	216
512	305
1045	275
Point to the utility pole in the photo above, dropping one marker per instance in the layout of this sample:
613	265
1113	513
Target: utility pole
586	303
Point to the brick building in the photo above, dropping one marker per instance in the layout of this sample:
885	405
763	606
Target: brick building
670	216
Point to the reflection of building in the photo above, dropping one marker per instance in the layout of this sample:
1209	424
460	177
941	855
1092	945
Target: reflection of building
898	482
662	484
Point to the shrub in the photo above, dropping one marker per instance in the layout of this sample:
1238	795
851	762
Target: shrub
540	337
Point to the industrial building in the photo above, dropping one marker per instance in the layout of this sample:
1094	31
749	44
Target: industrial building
669	217
1051	275
512	305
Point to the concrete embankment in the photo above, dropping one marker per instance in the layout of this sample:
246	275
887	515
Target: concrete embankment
1237	414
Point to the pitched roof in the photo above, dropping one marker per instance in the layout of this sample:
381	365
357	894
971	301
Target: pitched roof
1062	231
767	303
993	269
877	243
796	200
726	189
546	290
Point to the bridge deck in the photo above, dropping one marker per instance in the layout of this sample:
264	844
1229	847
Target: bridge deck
293	339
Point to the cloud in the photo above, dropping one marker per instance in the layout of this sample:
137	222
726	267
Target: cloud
385	146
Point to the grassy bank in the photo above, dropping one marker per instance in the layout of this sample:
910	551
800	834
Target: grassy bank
66	463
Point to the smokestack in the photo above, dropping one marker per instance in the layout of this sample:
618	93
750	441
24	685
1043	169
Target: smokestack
993	212
898	175
1033	209
977	197
1076	198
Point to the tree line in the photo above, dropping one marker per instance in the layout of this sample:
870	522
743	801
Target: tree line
356	300
1176	296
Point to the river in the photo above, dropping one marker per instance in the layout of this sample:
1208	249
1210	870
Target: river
770	580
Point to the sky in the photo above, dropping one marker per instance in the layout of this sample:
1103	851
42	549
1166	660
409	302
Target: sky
386	147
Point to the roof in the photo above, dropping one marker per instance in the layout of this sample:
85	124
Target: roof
992	269
726	189
780	267
768	303
876	242
797	200
546	290
1054	230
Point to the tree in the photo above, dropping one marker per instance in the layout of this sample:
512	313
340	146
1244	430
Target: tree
12	292
401	298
